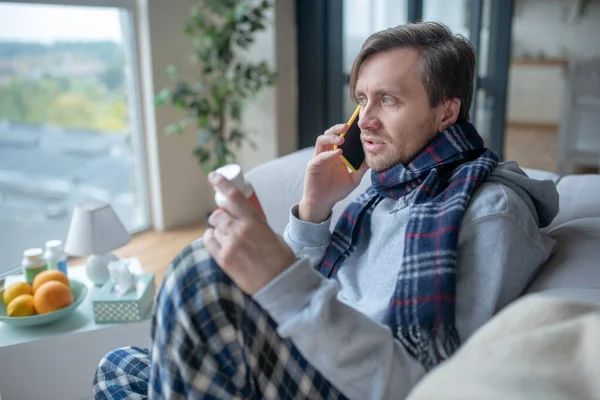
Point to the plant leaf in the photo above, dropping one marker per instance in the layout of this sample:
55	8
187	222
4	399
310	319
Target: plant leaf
220	31
203	136
177	127
202	154
172	72
163	97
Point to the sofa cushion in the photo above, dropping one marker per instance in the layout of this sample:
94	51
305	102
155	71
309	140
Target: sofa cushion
541	175
579	198
574	263
278	184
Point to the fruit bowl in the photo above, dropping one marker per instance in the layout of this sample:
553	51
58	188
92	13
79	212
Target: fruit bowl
79	291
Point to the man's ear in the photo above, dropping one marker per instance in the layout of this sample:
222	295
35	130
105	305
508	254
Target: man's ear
448	113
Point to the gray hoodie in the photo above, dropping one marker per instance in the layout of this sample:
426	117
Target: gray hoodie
337	324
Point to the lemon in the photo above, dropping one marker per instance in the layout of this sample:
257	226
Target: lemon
16	289
21	306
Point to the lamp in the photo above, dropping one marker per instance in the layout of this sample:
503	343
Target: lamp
94	232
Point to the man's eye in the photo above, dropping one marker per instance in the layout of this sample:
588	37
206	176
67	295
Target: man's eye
387	100
361	101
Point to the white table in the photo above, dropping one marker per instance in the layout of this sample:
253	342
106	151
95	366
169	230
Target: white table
58	360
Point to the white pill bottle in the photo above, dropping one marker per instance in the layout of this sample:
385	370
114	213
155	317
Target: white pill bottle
55	256
234	174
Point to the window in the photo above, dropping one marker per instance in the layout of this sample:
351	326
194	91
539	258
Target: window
69	119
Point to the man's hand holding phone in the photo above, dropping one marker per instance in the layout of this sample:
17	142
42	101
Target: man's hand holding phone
327	178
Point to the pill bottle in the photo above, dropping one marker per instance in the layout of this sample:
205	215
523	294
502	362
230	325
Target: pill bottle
55	256
33	263
234	174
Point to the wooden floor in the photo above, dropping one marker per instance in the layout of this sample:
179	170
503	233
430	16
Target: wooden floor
155	250
536	147
532	147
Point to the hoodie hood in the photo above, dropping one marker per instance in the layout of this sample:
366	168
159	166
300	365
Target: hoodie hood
540	196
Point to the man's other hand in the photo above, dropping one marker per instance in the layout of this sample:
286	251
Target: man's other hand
242	243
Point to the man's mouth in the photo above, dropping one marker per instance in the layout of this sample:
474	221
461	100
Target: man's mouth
373	145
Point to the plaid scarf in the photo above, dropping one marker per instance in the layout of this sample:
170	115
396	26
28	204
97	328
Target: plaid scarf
444	177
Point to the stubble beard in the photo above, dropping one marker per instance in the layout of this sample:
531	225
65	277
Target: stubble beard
404	155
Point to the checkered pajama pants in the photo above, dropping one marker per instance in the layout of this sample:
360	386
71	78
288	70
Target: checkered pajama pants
210	341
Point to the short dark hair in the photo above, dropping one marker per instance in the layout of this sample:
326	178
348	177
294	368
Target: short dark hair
446	61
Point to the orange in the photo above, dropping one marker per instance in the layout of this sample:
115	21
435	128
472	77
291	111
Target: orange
52	296
47	276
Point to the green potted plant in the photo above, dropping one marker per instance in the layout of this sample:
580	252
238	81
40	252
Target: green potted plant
221	31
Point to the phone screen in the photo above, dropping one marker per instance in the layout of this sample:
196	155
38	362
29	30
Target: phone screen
352	149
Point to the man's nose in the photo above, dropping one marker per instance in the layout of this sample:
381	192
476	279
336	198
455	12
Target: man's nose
368	121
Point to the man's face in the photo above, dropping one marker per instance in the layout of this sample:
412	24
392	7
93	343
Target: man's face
396	120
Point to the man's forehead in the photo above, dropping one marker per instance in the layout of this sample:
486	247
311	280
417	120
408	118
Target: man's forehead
391	70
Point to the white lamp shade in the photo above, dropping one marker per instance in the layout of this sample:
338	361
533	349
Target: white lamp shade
95	229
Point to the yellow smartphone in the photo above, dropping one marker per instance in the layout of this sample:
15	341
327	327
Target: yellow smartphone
353	154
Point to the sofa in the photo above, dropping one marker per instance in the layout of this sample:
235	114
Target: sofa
573	270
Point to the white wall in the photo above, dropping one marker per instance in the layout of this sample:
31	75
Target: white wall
535	94
547	27
180	193
272	118
286	106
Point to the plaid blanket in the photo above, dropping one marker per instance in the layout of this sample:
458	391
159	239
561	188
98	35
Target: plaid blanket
209	341
123	375
444	176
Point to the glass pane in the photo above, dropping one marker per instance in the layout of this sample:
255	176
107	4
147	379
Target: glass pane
361	19
454	14
65	131
485	101
484	38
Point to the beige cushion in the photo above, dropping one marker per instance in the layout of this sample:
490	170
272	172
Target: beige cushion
538	348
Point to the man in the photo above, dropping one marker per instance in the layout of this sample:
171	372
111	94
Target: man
443	239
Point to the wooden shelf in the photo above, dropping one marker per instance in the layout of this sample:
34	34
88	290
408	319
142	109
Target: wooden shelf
537	62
